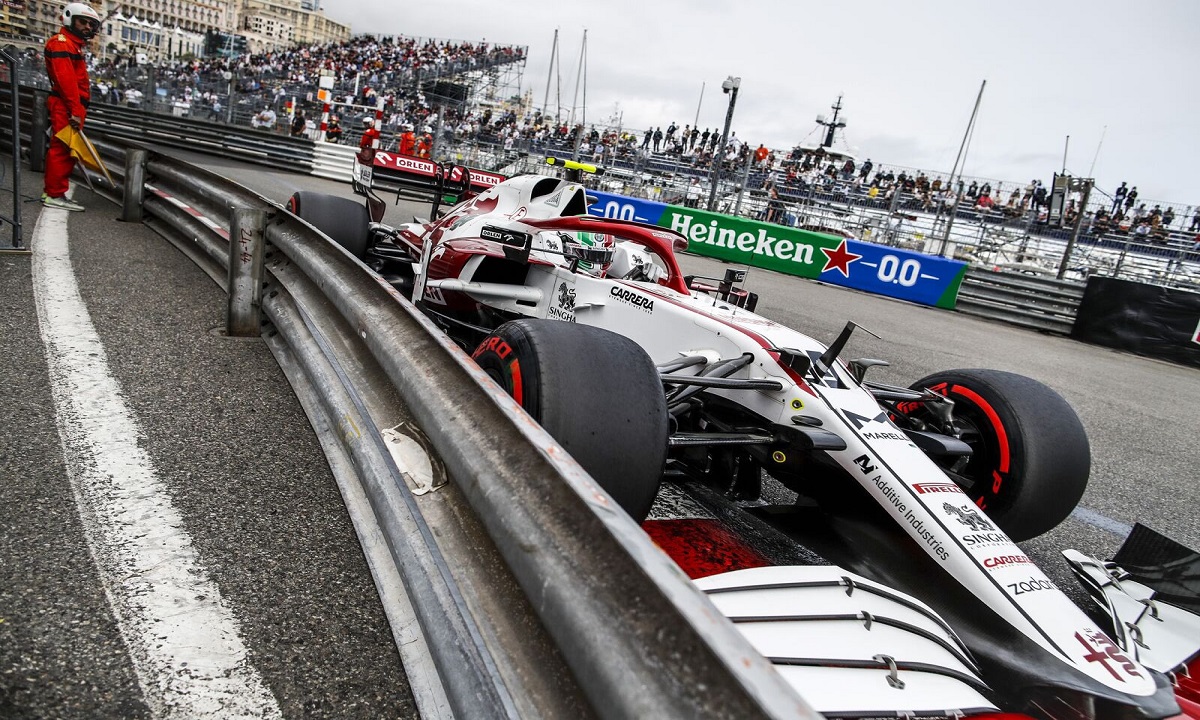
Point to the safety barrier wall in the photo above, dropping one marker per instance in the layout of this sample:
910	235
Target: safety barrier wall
1147	320
894	272
594	594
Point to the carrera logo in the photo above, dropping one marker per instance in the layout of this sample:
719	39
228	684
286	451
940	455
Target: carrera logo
631	298
1003	560
927	488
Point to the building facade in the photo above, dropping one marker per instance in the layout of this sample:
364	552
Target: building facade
146	41
13	17
276	24
166	29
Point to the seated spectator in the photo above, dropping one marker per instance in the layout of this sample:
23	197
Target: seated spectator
264	120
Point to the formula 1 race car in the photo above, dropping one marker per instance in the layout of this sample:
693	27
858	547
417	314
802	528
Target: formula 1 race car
909	499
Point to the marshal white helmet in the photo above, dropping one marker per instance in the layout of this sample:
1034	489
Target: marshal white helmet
368	121
78	9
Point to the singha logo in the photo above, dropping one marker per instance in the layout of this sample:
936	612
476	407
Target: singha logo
968	516
566	297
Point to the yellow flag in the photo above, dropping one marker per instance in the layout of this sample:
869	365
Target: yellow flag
84	151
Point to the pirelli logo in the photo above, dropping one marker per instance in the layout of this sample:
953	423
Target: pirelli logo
928	488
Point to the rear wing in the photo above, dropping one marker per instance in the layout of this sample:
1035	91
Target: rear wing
413	178
418	178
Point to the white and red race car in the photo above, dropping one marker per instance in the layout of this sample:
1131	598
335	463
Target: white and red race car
910	596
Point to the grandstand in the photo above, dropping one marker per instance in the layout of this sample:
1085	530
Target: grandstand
470	100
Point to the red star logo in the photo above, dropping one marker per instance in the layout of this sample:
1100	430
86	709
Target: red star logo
839	258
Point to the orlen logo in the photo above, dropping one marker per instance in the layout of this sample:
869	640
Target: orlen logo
926	488
428	169
1001	561
628	296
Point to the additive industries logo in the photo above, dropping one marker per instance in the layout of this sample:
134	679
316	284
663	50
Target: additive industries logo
631	298
927	488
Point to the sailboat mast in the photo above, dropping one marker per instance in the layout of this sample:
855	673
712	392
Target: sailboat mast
550	73
961	156
583	114
580	78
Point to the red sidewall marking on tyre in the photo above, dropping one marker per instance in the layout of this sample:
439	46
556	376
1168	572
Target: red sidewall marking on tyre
993	418
703	547
514	376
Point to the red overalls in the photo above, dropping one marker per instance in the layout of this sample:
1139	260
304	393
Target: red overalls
70	93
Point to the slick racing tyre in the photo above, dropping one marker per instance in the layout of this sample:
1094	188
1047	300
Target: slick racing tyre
345	221
1030	455
597	393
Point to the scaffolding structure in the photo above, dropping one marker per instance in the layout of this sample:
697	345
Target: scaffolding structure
501	86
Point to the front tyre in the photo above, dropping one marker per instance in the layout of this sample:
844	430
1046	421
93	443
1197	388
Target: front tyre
597	393
1030	456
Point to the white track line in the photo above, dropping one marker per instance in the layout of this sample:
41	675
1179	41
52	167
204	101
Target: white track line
181	636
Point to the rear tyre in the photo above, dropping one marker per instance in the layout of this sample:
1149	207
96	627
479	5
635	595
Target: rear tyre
1031	458
597	393
345	221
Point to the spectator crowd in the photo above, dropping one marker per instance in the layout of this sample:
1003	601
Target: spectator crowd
389	78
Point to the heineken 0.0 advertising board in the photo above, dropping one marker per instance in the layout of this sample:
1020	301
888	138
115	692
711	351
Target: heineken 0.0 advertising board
902	274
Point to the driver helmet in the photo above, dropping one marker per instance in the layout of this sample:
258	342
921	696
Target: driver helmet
81	10
601	242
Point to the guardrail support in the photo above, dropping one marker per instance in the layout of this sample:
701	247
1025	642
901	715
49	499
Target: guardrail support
246	243
135	185
8	53
37	131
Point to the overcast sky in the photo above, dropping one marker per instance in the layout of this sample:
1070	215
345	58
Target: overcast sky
909	73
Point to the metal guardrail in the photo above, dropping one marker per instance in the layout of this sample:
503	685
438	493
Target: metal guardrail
595	593
1038	303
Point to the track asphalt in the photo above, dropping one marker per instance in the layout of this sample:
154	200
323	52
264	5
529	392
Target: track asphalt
237	458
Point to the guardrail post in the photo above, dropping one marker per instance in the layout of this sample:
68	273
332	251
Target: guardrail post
135	185
246	243
37	131
10	59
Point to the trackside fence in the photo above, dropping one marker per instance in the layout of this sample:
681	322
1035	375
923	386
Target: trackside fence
533	567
